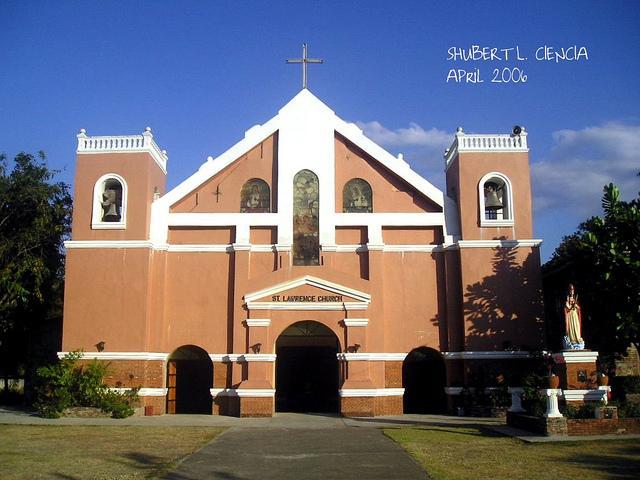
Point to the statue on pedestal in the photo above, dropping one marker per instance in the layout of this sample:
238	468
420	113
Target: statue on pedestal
572	322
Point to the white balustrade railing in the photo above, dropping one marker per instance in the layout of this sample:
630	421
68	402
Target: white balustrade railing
123	143
486	143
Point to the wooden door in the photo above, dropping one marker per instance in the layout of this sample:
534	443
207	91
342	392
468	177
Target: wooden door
171	386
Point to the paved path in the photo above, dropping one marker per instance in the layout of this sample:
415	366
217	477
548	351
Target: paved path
294	453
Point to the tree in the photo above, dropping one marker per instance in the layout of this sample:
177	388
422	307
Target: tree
35	218
603	260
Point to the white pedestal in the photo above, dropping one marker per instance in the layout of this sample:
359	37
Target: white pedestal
516	399
552	395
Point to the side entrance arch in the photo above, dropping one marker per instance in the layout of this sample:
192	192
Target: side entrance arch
307	371
189	380
423	378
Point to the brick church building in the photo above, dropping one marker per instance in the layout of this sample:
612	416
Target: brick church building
304	269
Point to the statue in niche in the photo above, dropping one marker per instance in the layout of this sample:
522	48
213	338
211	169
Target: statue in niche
572	321
110	206
357	197
255	197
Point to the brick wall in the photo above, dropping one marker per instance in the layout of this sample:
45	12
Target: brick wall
596	426
393	374
387	406
357	406
133	373
541	425
256	407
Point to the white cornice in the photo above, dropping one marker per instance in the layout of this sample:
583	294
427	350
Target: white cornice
371	392
485	355
108	244
258	322
490	143
242	392
90	145
584	395
383	357
144	392
575	356
120	355
498	243
356	322
242	357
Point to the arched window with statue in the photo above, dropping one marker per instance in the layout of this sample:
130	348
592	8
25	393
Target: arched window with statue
109	202
496	200
255	197
357	196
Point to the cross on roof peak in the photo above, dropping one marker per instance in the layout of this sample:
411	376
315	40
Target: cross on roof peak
304	61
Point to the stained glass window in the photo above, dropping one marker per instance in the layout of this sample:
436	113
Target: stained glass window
306	243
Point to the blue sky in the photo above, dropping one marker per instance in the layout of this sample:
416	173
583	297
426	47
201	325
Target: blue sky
201	73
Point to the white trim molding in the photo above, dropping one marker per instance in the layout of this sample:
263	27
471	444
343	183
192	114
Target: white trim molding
500	355
382	357
108	244
120	355
498	243
242	357
371	392
243	392
143	392
356	322
576	356
258	322
495	143
123	144
585	395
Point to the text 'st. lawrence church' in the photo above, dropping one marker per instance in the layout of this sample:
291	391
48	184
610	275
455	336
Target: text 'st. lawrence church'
304	269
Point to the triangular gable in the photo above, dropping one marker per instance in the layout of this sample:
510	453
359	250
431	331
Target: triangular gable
296	295
305	102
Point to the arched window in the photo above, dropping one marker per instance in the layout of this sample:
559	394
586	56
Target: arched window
496	200
109	203
255	197
357	196
306	223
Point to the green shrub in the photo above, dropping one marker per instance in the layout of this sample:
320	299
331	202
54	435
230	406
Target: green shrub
587	410
627	409
66	384
624	385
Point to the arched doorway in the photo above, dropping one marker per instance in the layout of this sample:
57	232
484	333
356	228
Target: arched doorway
307	369
423	379
189	380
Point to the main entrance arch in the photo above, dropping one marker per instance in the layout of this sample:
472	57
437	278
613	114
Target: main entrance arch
307	369
423	379
189	380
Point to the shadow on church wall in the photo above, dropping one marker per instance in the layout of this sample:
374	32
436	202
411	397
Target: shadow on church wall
503	311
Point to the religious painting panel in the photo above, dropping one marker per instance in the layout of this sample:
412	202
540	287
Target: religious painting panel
357	197
306	242
255	197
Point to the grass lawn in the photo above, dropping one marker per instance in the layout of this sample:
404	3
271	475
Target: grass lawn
95	452
456	453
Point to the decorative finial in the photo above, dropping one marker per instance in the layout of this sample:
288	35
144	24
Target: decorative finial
459	130
83	131
147	130
209	158
164	152
400	156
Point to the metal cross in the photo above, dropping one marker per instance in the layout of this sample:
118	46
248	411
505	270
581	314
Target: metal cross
304	61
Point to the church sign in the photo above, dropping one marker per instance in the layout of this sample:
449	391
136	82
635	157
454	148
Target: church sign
306	298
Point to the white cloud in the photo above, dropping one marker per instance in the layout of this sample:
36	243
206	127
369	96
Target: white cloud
581	162
414	136
423	149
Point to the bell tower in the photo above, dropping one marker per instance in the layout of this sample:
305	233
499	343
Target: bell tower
488	177
117	179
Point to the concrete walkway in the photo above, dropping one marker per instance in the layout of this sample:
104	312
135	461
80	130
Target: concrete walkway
294	453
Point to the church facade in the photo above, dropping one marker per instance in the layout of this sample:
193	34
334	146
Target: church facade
304	269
